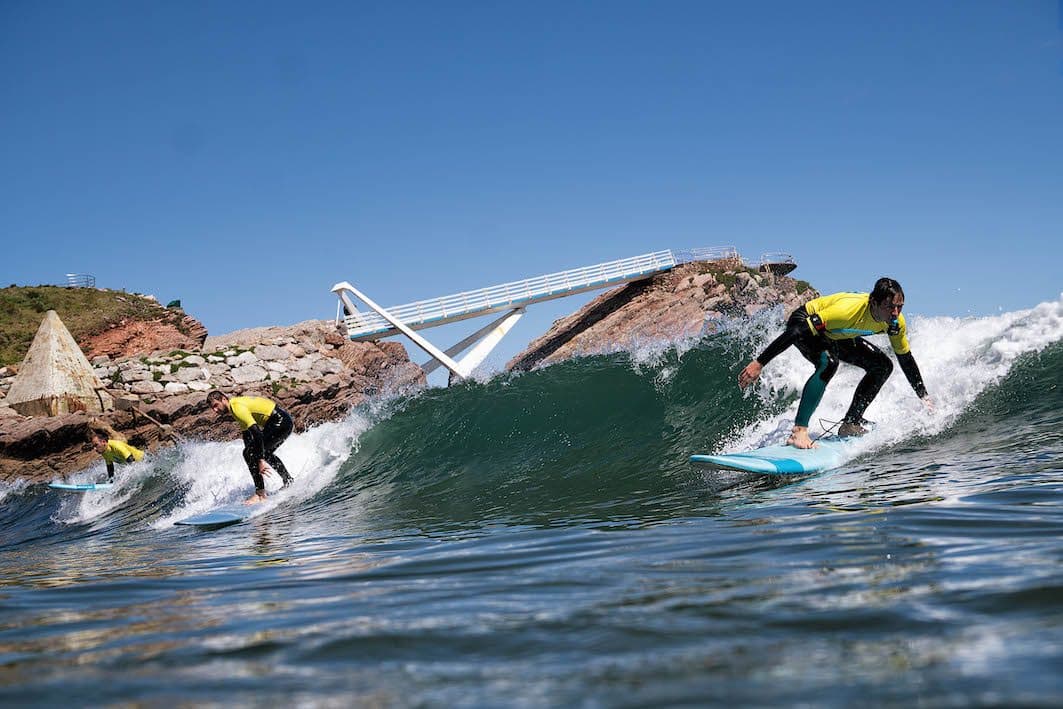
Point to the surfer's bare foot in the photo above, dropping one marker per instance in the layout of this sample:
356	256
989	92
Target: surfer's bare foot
851	429
256	498
799	438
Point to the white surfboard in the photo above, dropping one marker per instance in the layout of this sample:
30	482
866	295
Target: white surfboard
218	517
783	460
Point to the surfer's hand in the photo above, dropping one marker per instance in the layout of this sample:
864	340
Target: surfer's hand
749	374
264	469
928	403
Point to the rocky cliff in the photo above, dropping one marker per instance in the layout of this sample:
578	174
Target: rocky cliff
684	302
311	369
103	321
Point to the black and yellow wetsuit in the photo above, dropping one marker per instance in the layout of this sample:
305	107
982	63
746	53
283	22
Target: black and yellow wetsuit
265	426
120	452
832	328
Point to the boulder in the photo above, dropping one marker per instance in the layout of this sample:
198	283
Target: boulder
145	386
244	358
303	364
192	374
271	352
137	374
248	374
328	365
126	402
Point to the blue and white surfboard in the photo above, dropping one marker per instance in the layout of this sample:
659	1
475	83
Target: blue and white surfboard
81	487
783	460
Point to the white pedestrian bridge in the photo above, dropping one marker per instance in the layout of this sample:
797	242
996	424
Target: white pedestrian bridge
508	298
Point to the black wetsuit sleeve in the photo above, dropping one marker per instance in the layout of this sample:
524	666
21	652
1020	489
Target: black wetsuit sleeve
788	337
254	442
110	469
911	371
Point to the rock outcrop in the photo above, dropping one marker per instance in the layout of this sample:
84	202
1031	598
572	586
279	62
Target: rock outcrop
172	330
310	368
684	302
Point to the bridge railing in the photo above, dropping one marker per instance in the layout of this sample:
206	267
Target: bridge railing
713	253
436	311
515	293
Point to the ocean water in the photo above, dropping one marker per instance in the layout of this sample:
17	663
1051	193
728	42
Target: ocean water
540	540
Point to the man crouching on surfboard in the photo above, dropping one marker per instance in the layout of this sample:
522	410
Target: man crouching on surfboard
831	328
266	426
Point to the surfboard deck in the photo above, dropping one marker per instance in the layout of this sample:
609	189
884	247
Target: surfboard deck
81	487
218	517
782	460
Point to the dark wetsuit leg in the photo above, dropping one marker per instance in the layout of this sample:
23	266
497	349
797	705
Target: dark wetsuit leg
877	367
251	457
277	429
261	442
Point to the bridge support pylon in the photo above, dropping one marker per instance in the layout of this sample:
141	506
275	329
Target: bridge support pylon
483	341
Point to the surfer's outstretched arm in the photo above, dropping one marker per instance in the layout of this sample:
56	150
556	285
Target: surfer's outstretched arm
793	331
911	373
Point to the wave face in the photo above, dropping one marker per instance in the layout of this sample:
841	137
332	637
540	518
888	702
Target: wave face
540	539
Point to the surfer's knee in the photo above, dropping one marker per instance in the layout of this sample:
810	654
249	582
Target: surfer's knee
882	366
828	366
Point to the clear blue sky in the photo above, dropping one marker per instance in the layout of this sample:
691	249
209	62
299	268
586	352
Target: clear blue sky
244	156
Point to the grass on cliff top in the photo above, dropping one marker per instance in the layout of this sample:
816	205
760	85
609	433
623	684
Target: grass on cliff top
84	311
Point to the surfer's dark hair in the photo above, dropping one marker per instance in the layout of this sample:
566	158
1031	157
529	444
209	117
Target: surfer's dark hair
215	396
886	289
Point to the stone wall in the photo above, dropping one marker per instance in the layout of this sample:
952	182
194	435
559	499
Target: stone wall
311	369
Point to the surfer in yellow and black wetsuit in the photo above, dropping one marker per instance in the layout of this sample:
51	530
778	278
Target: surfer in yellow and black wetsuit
265	427
112	446
831	328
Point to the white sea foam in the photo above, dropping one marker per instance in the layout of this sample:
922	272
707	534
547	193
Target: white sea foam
214	474
959	359
77	507
11	488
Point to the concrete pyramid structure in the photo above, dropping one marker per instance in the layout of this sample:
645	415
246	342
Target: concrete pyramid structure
55	376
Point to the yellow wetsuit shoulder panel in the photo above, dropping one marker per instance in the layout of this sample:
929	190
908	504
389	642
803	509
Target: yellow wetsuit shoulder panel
848	315
119	452
249	410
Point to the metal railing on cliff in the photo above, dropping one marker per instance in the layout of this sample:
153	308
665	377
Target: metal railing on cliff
775	261
80	280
